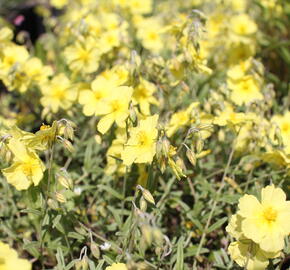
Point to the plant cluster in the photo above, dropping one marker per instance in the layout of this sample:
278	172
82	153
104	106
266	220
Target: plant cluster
132	131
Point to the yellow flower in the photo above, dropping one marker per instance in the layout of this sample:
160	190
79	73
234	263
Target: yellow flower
114	161
115	108
37	71
58	94
283	123
26	169
9	259
117	266
238	71
239	51
140	6
141	146
13	55
59	3
109	40
215	24
83	56
247	253
150	33
180	119
242	24
118	73
143	95
43	138
228	115
266	222
277	157
245	90
93	99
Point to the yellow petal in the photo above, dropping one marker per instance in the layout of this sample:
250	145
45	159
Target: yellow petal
249	205
16	177
105	123
272	195
18	149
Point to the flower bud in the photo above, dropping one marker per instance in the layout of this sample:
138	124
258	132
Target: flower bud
65	182
95	250
68	132
165	146
85	263
60	197
143	204
52	204
132	114
147	234
157	236
148	196
191	156
68	145
199	145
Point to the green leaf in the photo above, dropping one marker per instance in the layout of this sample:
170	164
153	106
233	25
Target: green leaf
100	265
216	225
191	251
180	255
116	216
31	211
88	155
60	259
32	247
56	221
75	235
112	192
92	265
108	259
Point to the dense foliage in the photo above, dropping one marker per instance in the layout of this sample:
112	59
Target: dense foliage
145	134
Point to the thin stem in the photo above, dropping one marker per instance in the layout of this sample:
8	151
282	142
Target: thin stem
124	191
46	199
214	205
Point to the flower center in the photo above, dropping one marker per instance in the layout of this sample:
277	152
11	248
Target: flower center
270	214
152	36
285	128
84	55
59	93
115	105
27	168
143	138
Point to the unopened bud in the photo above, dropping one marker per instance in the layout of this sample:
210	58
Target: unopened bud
180	163
8	156
98	139
132	114
147	234
199	145
163	165
165	146
85	263
191	157
148	196
68	145
158	236
68	132
65	182
143	204
95	250
52	204
60	197
78	265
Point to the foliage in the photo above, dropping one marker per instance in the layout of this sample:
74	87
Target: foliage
139	135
